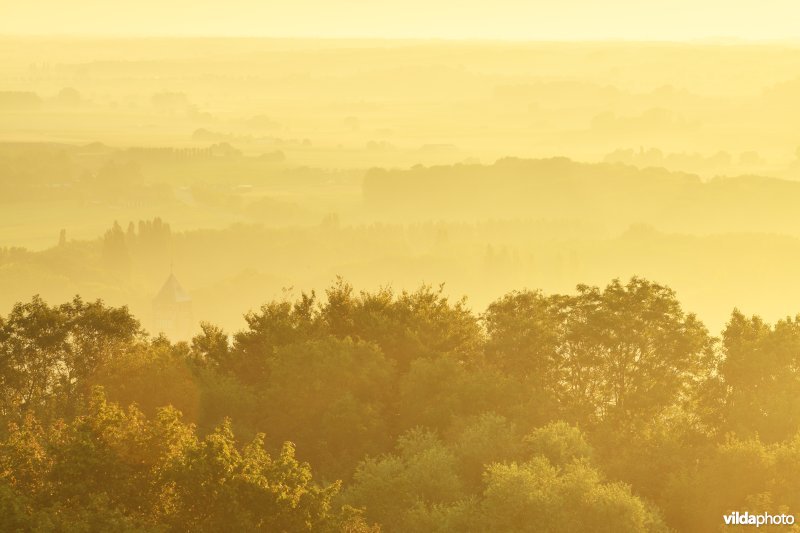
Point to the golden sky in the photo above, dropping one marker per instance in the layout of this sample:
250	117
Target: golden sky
495	19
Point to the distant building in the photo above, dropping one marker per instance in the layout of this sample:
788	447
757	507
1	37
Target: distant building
172	311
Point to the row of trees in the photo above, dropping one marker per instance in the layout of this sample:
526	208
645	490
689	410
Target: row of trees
606	410
609	194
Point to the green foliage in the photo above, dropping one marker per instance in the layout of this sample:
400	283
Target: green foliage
624	352
759	378
277	324
425	485
152	375
115	469
211	347
559	442
524	335
605	410
48	354
422	471
437	393
407	326
740	474
537	496
483	440
331	397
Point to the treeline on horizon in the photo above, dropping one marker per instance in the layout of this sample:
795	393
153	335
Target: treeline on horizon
709	108
130	262
613	194
484	228
217	177
95	172
606	409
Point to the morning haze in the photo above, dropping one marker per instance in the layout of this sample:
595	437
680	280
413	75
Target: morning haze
511	266
529	20
668	169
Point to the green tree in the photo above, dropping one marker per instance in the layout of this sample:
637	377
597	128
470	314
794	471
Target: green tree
436	393
559	442
421	473
538	497
331	397
112	469
49	353
525	332
758	390
277	324
407	326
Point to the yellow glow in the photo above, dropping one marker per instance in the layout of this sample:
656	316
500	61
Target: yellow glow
501	19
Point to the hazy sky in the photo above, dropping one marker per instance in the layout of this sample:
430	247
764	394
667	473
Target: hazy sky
490	19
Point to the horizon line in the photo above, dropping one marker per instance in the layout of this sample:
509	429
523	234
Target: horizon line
707	40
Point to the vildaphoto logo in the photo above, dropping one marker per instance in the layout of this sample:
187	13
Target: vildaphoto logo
765	519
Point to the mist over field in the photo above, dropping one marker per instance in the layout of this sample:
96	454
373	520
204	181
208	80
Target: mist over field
481	285
486	166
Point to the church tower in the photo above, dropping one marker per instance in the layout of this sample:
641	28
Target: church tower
172	311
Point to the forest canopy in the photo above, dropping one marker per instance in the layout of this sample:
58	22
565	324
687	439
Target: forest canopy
605	409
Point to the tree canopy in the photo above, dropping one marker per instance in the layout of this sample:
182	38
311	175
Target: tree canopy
608	409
